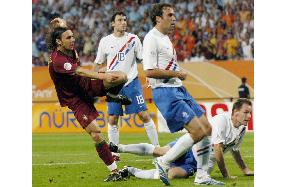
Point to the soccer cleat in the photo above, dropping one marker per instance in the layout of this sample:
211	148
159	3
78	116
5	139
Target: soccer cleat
118	99
113	147
163	171
125	172
207	180
115	176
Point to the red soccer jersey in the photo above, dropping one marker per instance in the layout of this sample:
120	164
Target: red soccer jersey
72	89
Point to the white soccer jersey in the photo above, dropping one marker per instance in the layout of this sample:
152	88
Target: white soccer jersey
224	132
121	54
158	52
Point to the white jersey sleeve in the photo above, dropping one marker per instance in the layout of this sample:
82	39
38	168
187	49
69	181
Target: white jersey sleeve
138	49
218	129
159	53
150	53
101	55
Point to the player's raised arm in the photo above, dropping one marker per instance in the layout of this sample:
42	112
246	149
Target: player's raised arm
109	77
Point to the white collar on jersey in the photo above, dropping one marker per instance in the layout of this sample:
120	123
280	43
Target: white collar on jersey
156	31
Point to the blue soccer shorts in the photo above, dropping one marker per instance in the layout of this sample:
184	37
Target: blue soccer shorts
133	91
177	106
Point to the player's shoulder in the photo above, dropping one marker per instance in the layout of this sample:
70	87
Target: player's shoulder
222	119
105	38
131	35
151	33
58	57
151	36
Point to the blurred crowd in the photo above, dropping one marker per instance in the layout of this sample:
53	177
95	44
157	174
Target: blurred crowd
205	29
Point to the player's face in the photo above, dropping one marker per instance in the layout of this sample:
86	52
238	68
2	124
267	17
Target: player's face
67	40
168	20
120	23
243	115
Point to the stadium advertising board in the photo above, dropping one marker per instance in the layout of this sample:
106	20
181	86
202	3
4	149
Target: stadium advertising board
53	118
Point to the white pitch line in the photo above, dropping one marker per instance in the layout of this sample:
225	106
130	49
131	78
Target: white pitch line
68	154
76	163
203	82
60	163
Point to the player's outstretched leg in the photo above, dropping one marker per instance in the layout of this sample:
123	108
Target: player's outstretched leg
103	151
201	151
115	176
113	88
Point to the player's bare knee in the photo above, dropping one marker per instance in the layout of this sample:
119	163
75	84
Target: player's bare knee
113	120
160	151
197	134
171	174
96	136
208	130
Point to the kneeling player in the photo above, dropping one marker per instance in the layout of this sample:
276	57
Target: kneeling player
228	131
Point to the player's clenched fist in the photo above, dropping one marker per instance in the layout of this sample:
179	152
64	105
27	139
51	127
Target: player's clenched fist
58	22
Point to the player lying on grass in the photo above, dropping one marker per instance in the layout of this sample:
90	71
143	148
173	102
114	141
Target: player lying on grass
76	88
227	134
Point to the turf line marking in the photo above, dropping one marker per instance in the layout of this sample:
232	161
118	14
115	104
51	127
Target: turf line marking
61	154
60	163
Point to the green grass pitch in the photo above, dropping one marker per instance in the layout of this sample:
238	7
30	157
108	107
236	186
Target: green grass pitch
71	160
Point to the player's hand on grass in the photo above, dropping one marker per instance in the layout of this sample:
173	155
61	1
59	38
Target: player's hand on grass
231	177
248	172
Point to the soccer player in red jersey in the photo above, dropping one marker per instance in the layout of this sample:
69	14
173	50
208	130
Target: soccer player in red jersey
76	87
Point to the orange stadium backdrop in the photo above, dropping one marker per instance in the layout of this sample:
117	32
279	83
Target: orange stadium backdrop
207	82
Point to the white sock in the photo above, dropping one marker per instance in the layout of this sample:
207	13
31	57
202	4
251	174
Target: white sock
152	132
112	167
201	152
113	134
183	144
144	174
139	149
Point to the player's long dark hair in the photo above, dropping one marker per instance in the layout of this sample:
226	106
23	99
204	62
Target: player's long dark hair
52	36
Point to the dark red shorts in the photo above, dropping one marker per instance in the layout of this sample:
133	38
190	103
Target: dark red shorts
85	114
97	88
